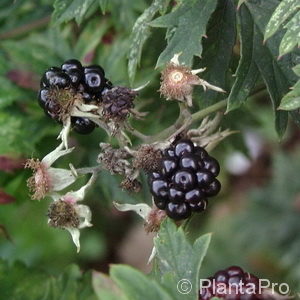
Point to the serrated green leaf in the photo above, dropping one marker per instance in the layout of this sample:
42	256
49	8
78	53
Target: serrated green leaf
277	74
217	50
291	100
284	10
66	10
140	33
136	285
292	35
247	72
178	260
188	24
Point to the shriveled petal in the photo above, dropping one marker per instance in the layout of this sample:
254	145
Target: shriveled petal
152	255
75	233
64	134
50	158
141	209
80	194
60	178
85	215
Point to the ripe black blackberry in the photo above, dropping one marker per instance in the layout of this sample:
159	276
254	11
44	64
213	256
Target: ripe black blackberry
59	86
185	179
232	283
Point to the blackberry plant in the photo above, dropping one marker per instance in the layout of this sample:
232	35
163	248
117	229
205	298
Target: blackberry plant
150	111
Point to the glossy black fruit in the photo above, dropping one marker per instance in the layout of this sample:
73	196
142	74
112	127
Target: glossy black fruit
43	97
82	125
97	69
178	211
185	179
72	64
59	86
232	283
55	77
94	81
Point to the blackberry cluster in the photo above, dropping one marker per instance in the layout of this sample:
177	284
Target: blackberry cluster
60	85
232	283
184	180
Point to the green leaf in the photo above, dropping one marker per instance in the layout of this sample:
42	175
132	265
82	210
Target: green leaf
105	288
292	35
291	100
179	260
103	5
187	22
66	10
90	37
262	58
140	33
19	282
247	72
284	10
217	50
136	285
296	70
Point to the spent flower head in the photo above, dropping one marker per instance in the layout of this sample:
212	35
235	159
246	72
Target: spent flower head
46	179
178	81
66	213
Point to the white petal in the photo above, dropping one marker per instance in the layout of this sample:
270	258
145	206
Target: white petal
75	233
60	178
175	59
152	255
64	134
50	158
194	72
141	209
85	214
141	87
80	194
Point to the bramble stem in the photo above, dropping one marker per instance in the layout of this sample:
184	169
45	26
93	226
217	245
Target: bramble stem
185	117
208	110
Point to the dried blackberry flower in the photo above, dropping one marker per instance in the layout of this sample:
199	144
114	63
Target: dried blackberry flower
154	219
147	158
45	179
178	81
114	160
131	185
63	214
118	102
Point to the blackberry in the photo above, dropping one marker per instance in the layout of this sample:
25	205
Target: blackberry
59	86
82	125
55	77
71	65
185	178
94	81
117	102
232	283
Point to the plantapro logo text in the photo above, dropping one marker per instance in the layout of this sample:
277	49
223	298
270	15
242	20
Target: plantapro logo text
242	288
